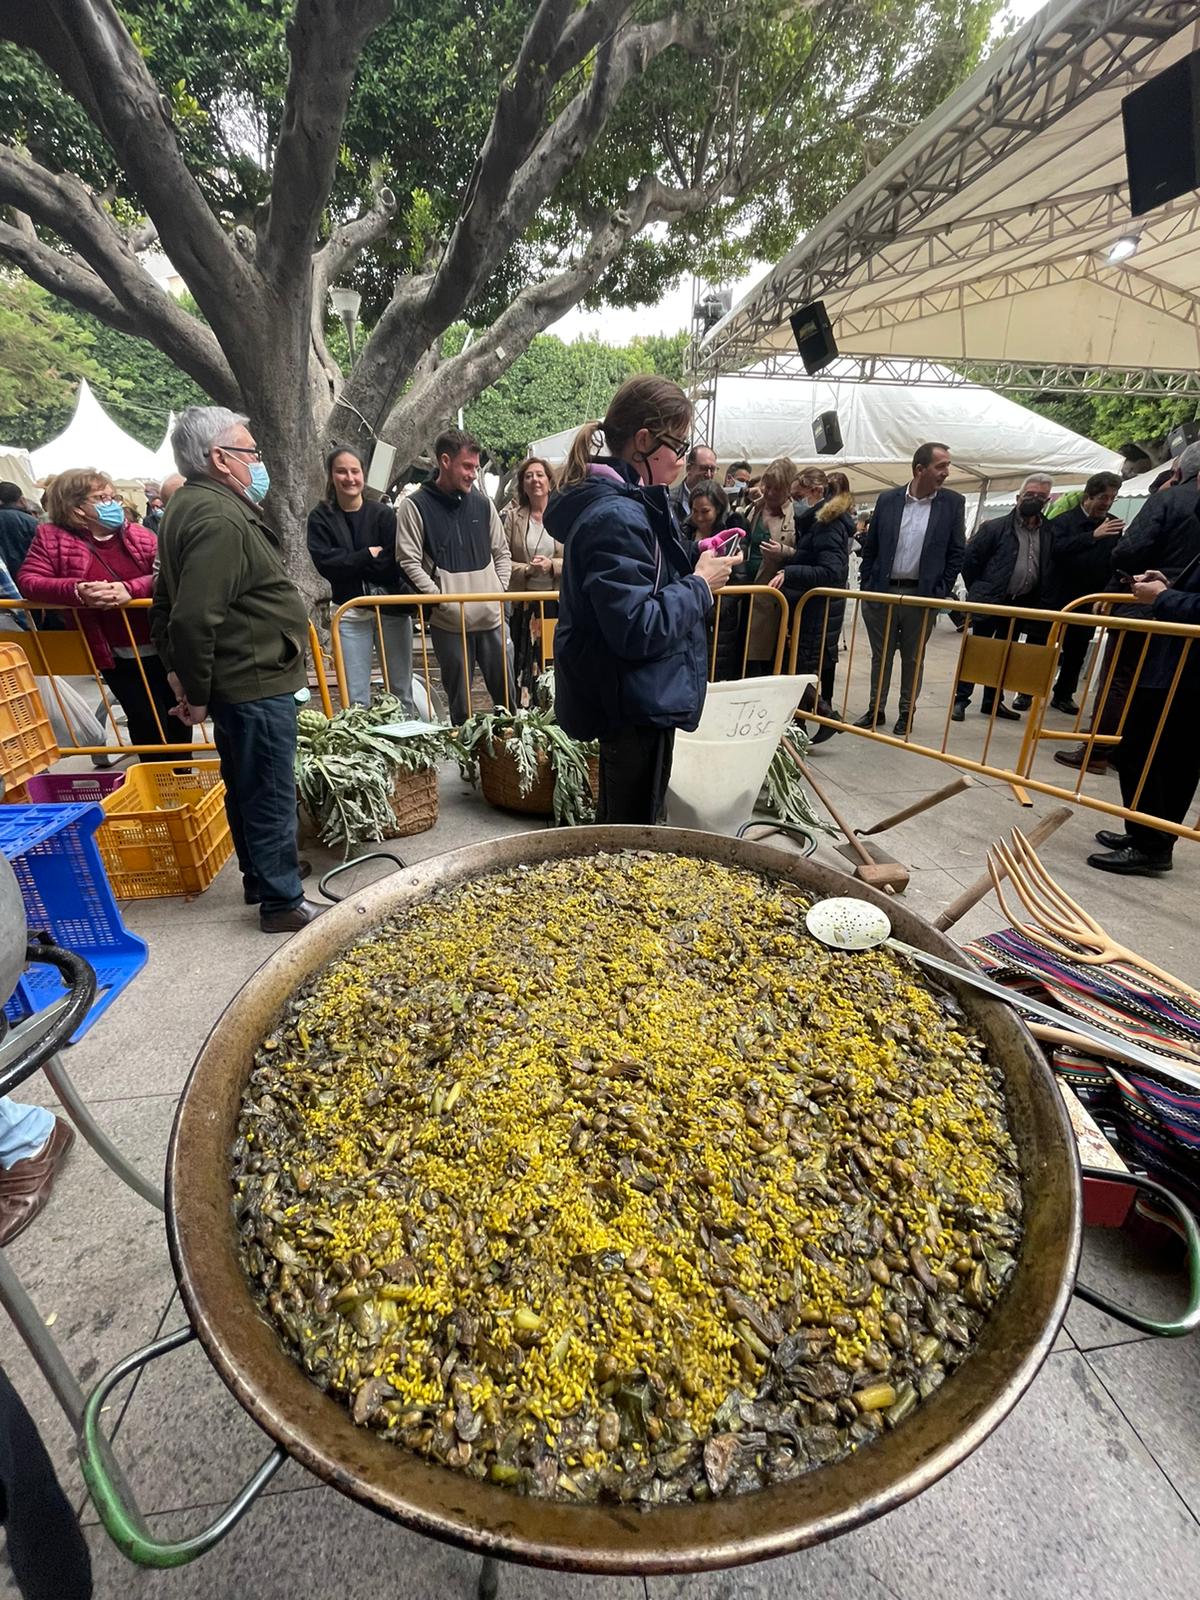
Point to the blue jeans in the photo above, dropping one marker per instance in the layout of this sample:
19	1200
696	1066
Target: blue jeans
359	635
23	1131
256	741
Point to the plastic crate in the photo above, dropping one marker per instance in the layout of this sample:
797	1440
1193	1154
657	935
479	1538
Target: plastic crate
27	742
165	830
57	863
70	788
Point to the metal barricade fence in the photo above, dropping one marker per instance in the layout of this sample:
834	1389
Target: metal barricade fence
59	655
996	658
434	644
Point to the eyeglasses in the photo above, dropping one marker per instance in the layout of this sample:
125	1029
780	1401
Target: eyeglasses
252	451
679	447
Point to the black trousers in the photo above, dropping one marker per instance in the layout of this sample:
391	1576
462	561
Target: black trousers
256	741
125	681
635	769
997	628
1071	657
46	1550
1174	773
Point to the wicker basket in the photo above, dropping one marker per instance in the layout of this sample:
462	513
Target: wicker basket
501	784
414	802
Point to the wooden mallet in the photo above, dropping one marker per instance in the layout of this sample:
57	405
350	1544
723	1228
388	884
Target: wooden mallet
889	876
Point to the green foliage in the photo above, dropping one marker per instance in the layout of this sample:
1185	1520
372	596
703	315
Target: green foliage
1115	419
525	736
45	353
347	764
555	385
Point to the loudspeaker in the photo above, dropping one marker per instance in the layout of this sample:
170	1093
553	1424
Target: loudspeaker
827	433
1162	136
1180	437
814	336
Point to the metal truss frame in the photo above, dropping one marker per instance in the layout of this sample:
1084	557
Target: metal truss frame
1070	52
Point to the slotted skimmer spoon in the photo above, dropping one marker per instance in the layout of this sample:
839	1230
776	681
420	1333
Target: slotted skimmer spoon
847	923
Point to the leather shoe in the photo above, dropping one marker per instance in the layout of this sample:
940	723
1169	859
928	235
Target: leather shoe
959	713
867	720
1003	713
902	728
253	899
1113	841
1131	863
1067	707
1022	702
25	1187
1075	758
290	921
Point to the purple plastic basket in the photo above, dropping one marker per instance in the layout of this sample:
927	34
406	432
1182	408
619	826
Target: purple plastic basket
53	853
72	788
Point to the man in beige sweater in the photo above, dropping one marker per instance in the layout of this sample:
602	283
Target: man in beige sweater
449	540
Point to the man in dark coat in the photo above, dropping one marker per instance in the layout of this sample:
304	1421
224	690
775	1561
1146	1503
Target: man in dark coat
17	527
1162	783
1161	538
914	546
1084	539
1009	562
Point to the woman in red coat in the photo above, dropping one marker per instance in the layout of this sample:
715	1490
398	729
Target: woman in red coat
86	556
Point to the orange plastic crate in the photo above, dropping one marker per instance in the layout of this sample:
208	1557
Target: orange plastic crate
27	744
165	830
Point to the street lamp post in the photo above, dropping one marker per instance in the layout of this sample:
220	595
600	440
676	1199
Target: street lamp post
345	303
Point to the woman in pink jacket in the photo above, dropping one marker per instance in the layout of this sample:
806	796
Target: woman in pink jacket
88	558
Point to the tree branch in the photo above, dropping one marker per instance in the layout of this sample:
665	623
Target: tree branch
88	45
325	40
64	204
348	241
458	380
62	275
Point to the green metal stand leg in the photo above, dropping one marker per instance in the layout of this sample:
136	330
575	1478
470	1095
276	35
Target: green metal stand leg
77	1109
489	1578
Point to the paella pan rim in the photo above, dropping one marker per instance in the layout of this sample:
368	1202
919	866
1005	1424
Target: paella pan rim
318	1431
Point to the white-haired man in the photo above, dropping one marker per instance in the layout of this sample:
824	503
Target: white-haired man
231	628
1009	562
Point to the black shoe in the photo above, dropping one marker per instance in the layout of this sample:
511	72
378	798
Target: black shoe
1003	713
960	711
869	720
1132	863
902	728
1075	758
1067	707
824	732
290	921
1022	702
253	899
1113	841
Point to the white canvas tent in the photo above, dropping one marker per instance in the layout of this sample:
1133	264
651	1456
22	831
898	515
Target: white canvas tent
16	467
93	439
164	456
757	419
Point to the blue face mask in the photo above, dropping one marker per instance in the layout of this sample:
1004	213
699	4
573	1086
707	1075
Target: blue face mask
260	482
111	513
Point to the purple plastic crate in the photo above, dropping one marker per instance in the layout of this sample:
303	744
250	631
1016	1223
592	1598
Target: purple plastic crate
72	788
53	853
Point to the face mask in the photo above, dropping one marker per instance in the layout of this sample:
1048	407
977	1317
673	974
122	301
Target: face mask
260	482
1031	506
111	513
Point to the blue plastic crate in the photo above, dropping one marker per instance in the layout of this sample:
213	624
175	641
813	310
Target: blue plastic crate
54	855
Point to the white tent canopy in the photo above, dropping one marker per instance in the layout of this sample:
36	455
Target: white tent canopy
93	439
758	419
16	467
985	236
164	456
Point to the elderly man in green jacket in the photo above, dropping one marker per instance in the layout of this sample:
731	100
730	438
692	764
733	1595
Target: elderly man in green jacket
230	626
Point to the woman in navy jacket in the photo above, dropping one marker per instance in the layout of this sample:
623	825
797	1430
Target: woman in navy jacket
630	650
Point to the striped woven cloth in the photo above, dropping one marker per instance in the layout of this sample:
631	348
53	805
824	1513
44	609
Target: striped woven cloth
1151	1119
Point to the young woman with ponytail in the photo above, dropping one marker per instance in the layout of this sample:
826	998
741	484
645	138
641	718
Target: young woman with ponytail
630	649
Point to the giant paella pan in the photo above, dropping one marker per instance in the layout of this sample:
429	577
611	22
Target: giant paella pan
322	1430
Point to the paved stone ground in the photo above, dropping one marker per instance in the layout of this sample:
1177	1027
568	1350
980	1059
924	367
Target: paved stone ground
1091	1487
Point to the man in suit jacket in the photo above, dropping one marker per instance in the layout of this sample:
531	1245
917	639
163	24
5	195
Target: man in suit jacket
700	467
914	545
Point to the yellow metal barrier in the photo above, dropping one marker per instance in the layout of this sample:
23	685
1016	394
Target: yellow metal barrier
56	653
539	598
1003	662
